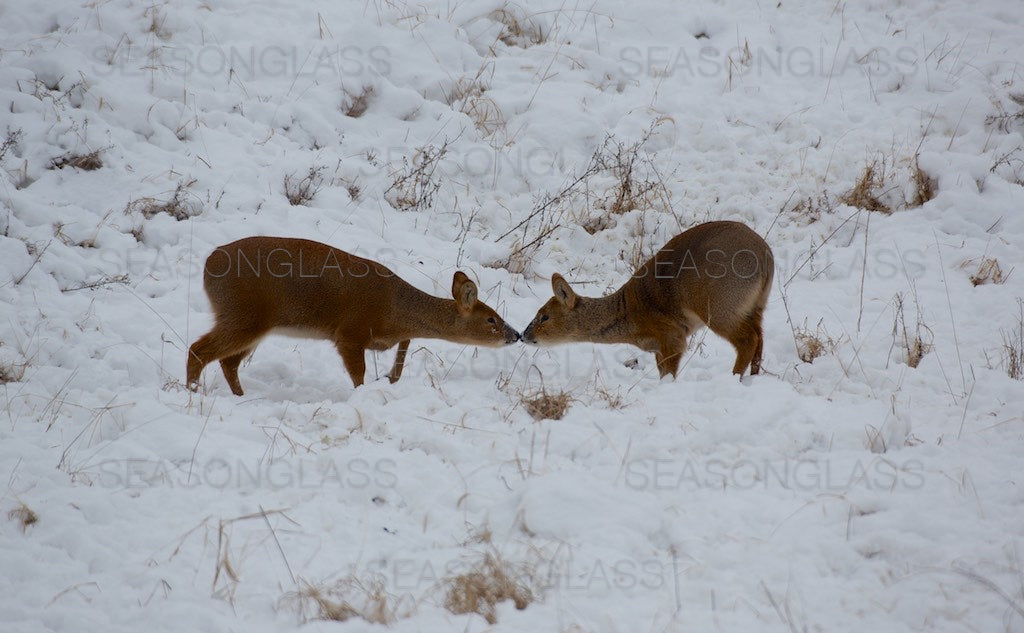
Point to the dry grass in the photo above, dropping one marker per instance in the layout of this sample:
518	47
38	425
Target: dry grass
1013	346
11	140
742	61
519	29
468	95
178	206
348	598
12	372
809	209
1004	121
1010	166
104	280
880	183
613	399
356	105
24	515
484	112
811	344
85	162
488	582
916	341
865	193
157	21
546	406
300	191
987	271
638	185
924	185
414	185
626	174
641	248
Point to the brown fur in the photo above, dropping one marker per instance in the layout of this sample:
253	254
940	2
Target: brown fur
303	288
716	274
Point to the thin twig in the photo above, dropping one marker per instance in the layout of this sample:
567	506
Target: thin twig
952	320
279	548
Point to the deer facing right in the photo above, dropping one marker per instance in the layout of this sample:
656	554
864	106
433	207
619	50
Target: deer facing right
716	274
263	285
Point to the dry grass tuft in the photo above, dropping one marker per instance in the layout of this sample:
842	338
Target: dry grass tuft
484	112
924	186
809	210
638	185
546	406
917	341
157	22
742	61
1004	121
178	206
1009	165
24	515
479	590
300	191
1013	346
481	535
864	194
988	271
11	140
356	105
468	95
85	162
414	186
614	399
348	598
11	371
519	30
811	344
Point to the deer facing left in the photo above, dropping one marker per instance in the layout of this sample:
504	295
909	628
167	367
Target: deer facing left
296	287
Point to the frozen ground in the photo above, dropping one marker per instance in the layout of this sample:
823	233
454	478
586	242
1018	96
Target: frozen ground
852	493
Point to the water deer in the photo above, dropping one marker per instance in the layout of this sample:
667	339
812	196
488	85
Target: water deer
296	287
716	274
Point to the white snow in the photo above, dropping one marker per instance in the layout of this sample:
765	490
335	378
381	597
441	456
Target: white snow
851	493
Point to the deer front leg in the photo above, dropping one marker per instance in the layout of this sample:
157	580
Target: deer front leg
670	352
396	370
354	357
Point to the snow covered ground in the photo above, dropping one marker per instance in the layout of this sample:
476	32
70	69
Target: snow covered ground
855	492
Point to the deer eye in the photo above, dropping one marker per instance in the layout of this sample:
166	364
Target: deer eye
491	320
543	318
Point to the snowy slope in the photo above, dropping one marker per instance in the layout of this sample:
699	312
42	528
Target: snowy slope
852	493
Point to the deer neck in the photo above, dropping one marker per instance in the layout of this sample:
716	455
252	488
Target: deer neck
607	318
421	315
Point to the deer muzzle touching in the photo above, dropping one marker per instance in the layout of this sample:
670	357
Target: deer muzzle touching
717	274
263	285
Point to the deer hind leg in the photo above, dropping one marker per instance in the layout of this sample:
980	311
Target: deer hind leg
746	338
755	322
396	370
229	365
219	343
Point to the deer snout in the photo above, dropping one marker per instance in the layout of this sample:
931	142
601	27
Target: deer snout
527	335
511	335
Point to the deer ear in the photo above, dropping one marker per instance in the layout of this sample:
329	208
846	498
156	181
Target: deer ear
464	292
563	293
